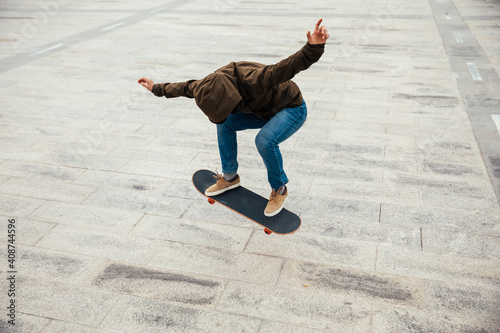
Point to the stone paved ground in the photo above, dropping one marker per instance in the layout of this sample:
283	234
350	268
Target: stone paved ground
394	173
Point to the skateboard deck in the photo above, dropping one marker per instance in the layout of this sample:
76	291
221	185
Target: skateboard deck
249	204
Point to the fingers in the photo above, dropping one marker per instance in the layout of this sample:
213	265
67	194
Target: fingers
318	24
145	81
324	33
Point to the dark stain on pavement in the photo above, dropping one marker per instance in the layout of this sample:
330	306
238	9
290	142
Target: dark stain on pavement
430	100
133	279
352	281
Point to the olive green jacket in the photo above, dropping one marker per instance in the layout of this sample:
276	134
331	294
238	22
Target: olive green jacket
247	87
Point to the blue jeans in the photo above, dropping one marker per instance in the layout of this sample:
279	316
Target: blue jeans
273	132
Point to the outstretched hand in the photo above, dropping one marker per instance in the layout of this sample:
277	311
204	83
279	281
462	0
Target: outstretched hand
146	83
319	35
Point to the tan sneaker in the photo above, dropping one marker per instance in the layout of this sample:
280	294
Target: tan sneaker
276	202
222	185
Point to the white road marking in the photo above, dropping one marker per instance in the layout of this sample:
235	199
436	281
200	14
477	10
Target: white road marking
496	120
113	26
157	10
46	50
473	71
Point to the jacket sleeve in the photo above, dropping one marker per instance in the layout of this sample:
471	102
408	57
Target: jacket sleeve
272	75
170	90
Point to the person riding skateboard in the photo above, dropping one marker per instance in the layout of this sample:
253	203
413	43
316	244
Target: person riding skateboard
249	95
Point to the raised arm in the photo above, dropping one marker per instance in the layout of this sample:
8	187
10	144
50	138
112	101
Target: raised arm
168	90
272	75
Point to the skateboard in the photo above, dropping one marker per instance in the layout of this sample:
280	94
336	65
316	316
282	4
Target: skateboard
249	204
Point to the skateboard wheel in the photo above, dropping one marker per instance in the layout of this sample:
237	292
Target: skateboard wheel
267	231
211	201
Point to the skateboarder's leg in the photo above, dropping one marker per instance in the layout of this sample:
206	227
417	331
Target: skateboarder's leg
228	149
283	125
226	136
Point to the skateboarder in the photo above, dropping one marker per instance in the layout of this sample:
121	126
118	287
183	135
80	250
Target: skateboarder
248	95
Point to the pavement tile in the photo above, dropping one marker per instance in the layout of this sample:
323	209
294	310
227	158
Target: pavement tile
433	155
461	186
122	181
437	266
25	323
152	203
159	169
315	249
56	326
449	120
463	301
184	139
96	218
344	147
39	171
192	232
355	283
353	160
447	147
344	136
469	202
80	145
19	140
46	189
218	262
84	157
32	129
99	244
49	299
361	230
156	153
420	131
56	266
145	118
455	220
464	244
453	170
17	207
29	231
25	154
353	126
365	191
400	119
347	209
272	327
407	320
317	311
137	315
80	120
